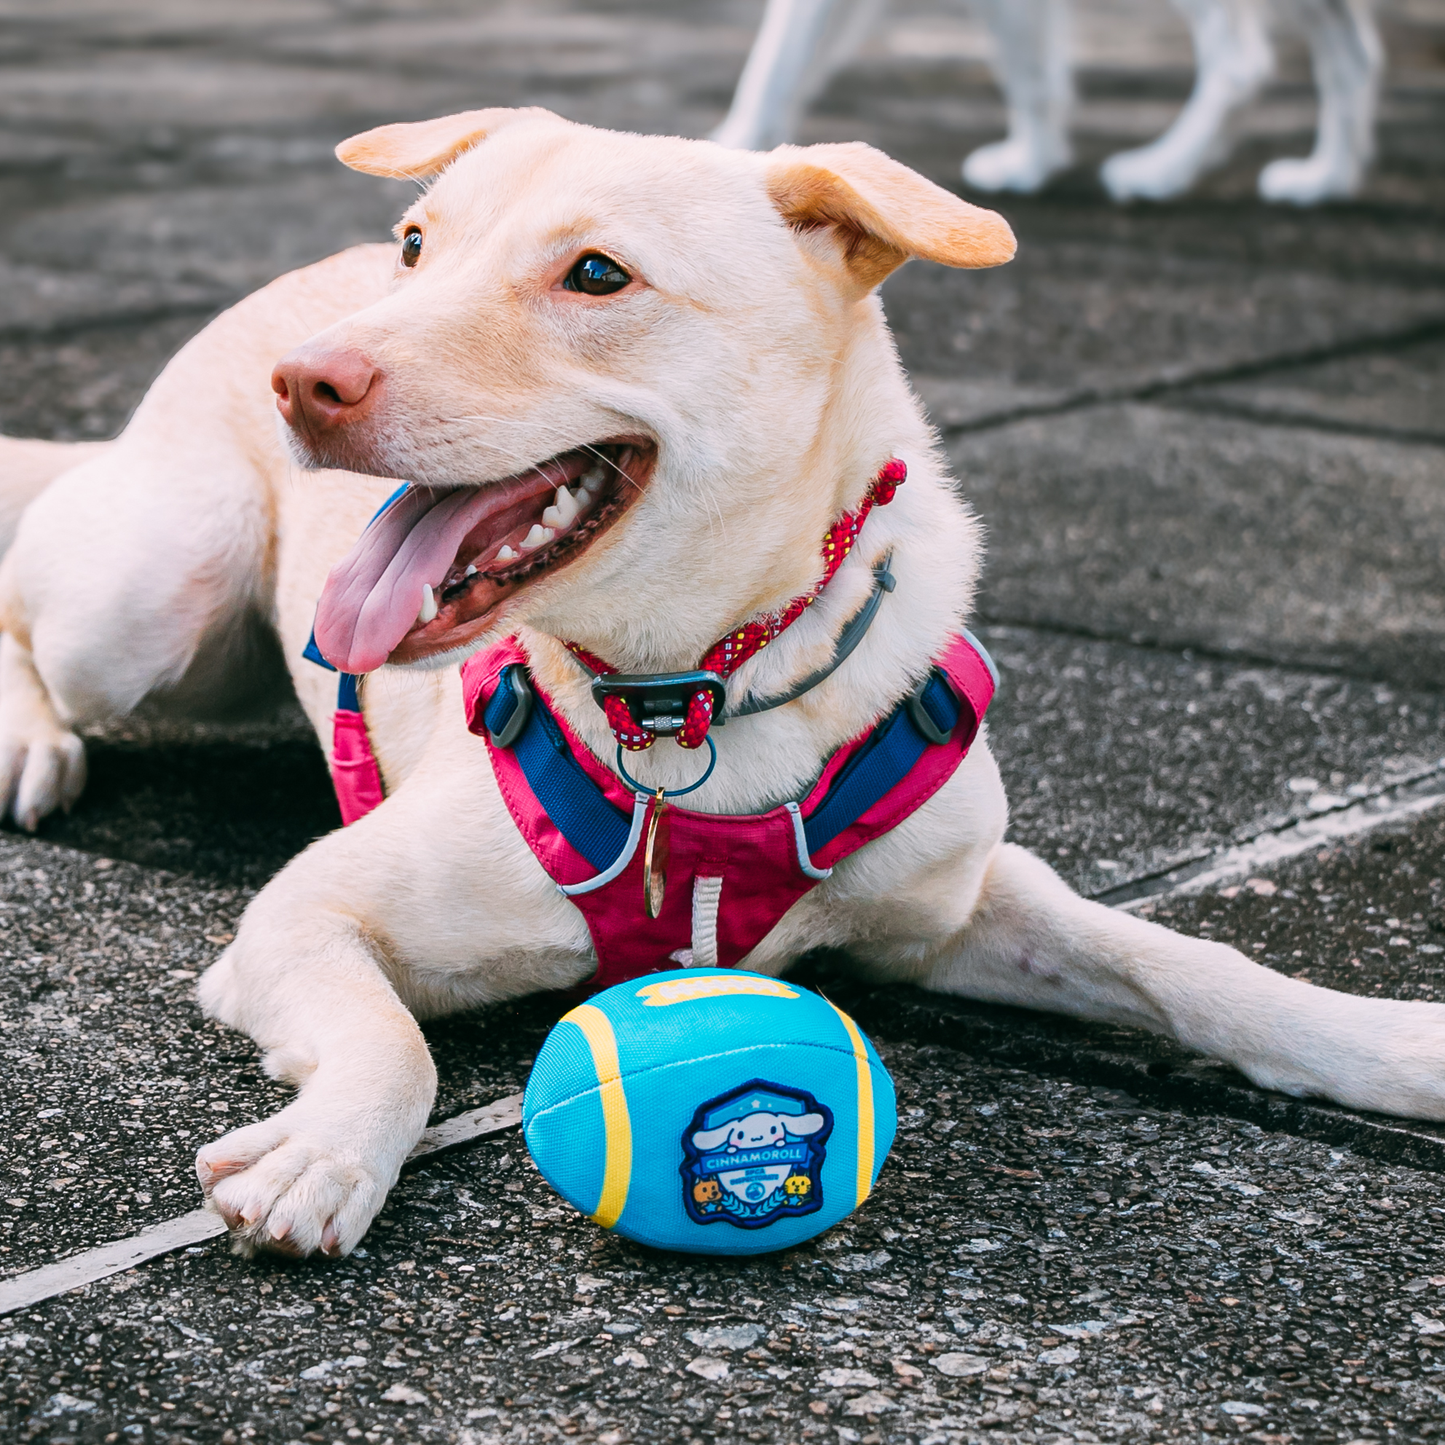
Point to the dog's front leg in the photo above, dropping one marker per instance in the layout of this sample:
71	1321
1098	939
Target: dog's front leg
1032	941
308	985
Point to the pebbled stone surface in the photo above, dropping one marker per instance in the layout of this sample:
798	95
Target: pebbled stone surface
1367	918
1084	315
1040	1259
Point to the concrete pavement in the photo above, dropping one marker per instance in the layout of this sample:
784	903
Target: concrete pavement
1206	441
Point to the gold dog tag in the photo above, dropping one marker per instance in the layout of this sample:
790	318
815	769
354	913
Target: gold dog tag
654	858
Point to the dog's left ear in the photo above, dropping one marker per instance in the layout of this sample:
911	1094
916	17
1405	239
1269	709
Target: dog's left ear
417	150
883	212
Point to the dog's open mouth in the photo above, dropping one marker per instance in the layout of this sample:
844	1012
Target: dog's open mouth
429	573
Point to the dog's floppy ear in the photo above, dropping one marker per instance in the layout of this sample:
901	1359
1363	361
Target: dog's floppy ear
883	212
413	151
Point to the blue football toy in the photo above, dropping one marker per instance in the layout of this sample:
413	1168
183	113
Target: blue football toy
717	1112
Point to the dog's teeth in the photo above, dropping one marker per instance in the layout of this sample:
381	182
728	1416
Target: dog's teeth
581	498
428	605
506	553
471	570
537	537
563	511
592	478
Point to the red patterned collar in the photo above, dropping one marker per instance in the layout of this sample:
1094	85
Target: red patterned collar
730	652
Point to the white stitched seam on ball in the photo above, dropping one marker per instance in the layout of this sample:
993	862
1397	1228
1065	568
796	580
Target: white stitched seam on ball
706	897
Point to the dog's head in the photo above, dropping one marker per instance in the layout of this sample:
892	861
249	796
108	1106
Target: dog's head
616	366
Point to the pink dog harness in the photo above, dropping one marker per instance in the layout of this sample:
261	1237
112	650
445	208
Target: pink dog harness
729	878
744	870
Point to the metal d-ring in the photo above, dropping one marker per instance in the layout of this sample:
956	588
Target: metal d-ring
669	792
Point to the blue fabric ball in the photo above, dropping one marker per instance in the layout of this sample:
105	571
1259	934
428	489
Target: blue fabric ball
717	1112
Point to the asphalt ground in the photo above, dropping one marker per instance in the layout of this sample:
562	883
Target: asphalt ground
1206	439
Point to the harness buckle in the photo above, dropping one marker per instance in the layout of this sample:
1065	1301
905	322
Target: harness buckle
658	700
509	728
929	726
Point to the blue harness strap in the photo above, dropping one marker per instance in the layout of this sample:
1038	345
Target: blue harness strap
574	803
881	763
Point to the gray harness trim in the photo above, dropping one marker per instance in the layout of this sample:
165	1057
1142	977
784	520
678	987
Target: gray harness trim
848	640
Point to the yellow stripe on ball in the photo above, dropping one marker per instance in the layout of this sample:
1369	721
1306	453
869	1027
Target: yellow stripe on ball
865	1104
617	1124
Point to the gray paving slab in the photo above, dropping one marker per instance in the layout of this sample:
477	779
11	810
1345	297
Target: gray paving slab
1186	531
1088	318
1125	761
1397	392
113	1078
175	158
193	251
84	386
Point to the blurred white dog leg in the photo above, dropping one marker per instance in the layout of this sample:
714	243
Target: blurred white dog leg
1345	48
799	45
1032	62
1233	59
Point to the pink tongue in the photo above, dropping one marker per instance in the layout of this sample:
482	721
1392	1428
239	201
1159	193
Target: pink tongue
373	595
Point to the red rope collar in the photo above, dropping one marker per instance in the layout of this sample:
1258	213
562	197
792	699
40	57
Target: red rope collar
729	654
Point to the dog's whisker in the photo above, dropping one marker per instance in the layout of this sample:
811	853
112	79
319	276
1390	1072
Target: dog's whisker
607	461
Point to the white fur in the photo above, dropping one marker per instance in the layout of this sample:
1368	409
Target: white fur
757	357
801	43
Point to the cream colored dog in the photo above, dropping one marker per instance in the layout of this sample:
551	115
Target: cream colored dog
706	321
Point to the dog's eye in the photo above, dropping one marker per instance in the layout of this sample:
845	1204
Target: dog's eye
411	246
597	276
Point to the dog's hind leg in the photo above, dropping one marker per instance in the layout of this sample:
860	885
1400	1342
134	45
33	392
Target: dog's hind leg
1345	49
29	465
130	575
1032	941
799	46
42	762
1032	61
1233	60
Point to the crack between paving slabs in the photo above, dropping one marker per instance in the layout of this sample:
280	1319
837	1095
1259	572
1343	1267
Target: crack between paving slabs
1303	421
1167	386
1410	791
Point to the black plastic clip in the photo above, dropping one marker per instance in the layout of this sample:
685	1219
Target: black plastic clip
929	726
520	686
658	700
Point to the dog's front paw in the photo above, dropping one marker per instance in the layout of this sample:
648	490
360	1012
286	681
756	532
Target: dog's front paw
40	770
293	1186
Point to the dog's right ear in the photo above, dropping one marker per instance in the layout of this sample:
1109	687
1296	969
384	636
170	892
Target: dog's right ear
881	211
417	150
